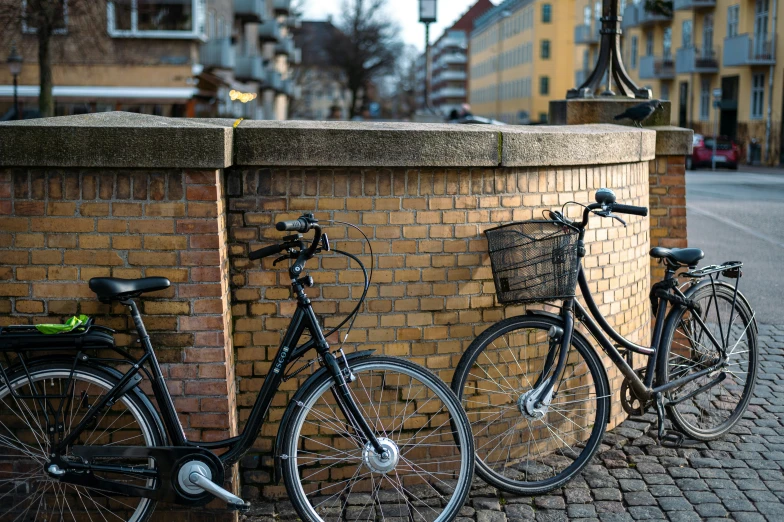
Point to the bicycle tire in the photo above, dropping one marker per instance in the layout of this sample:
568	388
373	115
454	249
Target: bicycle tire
493	407
686	335
317	438
21	423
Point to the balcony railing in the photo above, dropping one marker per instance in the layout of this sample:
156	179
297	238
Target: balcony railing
746	49
645	17
449	92
269	31
217	54
282	7
448	75
630	16
693	60
685	5
452	41
249	68
249	10
587	34
273	79
656	68
451	59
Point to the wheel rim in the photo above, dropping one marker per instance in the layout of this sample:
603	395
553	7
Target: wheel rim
512	445
338	479
27	492
691	350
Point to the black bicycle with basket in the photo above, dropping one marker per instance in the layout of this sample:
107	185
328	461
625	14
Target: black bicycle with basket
535	388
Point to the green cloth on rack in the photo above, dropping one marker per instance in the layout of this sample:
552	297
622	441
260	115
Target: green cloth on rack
70	325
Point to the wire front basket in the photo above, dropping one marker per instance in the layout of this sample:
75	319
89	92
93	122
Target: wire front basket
533	261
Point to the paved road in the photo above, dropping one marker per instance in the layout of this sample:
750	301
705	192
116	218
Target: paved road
740	216
738	477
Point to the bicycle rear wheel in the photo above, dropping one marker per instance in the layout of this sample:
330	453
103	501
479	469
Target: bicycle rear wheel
515	451
716	409
27	491
331	475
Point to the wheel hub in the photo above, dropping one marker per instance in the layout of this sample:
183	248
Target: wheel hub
527	407
385	462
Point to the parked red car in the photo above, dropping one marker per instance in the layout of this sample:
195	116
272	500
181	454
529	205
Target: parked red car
727	153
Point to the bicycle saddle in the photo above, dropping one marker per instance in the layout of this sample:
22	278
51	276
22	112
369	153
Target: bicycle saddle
678	256
113	288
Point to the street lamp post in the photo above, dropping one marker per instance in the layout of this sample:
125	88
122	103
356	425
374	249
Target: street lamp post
427	15
610	60
15	66
717	93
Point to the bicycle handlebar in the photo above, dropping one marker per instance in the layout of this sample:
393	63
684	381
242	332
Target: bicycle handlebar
266	252
295	225
629	209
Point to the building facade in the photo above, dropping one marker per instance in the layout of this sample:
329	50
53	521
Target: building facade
448	79
191	58
518	53
705	45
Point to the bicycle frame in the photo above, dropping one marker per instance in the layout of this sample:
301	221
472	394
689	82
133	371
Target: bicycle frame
304	318
598	326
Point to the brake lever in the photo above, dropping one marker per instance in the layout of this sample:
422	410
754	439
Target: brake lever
281	258
618	218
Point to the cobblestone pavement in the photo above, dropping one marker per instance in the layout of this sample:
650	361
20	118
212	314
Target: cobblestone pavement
738	477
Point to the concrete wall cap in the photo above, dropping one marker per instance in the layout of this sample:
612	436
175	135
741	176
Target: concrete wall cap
598	144
674	141
115	139
365	144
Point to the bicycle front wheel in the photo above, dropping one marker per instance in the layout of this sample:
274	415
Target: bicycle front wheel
711	405
524	452
331	474
43	405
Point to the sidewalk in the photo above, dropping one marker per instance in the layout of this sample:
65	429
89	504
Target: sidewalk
738	477
761	170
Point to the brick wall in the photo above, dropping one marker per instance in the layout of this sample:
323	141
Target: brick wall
59	228
668	206
432	290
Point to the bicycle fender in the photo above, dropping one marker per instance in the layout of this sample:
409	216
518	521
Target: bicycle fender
284	421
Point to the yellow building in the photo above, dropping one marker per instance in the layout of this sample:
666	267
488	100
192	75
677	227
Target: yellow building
707	45
520	57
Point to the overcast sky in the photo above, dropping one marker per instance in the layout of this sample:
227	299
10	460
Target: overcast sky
405	12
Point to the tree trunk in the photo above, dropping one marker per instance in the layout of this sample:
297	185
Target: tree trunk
45	100
353	111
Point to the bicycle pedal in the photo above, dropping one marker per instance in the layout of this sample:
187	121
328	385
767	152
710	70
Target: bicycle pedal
242	508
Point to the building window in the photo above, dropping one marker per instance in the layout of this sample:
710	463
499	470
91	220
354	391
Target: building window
633	60
665	91
544	85
649	43
542	117
587	15
733	16
545	49
156	18
757	95
547	13
705	99
686	33
60	25
667	44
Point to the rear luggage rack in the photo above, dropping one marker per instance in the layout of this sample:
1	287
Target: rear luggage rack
27	337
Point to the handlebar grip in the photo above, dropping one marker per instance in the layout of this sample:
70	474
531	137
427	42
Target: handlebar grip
630	209
295	225
266	251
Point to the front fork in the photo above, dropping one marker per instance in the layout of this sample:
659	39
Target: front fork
535	402
340	390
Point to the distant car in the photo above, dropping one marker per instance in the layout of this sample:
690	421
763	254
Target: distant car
727	153
27	114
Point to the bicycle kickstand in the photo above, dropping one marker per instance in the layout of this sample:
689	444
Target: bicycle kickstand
667	438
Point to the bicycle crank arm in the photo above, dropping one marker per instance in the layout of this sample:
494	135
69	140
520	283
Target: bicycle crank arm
700	390
199	480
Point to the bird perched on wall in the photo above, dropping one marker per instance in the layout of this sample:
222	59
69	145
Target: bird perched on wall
640	113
